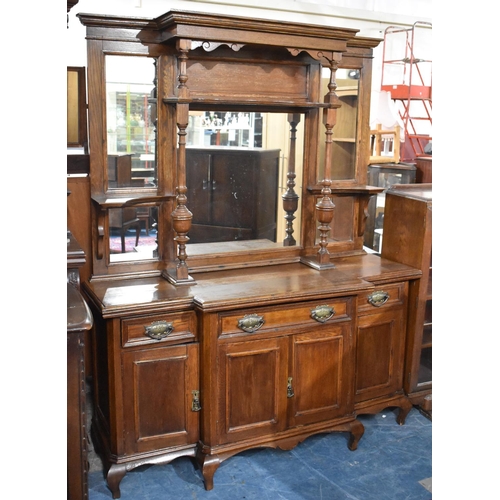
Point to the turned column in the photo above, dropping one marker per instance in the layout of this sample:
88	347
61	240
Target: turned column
181	216
290	198
325	206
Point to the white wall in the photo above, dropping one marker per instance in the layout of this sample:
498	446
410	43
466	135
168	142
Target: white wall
371	17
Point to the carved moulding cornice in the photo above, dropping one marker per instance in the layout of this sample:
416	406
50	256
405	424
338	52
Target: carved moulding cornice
325	58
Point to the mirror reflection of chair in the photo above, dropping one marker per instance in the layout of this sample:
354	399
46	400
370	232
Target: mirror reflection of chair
124	219
143	214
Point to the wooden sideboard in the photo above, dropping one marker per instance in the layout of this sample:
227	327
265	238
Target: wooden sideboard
79	322
244	359
205	349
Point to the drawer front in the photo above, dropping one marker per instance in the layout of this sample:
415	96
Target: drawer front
170	328
303	314
382	297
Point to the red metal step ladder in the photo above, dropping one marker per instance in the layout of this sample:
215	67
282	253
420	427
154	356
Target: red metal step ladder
407	76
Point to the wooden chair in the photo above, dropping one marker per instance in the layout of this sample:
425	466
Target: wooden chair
385	140
124	219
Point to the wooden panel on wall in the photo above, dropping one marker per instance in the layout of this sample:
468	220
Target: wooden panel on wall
270	81
78	218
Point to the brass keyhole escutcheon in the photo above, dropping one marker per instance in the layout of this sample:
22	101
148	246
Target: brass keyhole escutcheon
289	388
195	404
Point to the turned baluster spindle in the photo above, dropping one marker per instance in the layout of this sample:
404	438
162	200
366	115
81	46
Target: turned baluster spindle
290	198
181	215
325	206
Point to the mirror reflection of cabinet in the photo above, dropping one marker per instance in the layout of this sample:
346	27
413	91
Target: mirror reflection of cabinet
229	128
234	193
345	130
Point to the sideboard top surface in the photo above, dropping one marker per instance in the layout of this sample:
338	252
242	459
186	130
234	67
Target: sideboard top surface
230	289
417	191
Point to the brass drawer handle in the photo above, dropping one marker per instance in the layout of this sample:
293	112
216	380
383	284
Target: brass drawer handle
378	299
158	329
322	313
289	388
251	322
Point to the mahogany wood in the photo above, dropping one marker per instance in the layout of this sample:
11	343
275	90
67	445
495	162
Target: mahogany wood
408	239
260	388
424	169
79	321
255	349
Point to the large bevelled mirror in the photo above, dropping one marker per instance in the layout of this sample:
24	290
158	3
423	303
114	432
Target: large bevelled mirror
131	155
130	116
237	170
239	165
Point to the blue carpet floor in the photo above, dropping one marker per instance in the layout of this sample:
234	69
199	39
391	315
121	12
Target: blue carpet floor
392	462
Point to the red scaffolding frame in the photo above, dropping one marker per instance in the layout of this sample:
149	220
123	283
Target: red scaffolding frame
407	76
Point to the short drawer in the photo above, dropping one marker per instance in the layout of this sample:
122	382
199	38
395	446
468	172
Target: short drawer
305	313
171	328
382	297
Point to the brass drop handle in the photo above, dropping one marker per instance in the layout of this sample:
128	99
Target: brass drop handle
195	404
322	313
378	298
289	388
158	329
251	322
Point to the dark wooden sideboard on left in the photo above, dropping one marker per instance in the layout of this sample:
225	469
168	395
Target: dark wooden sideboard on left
79	322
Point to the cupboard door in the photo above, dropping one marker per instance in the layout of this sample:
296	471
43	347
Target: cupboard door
320	375
158	387
379	354
252	388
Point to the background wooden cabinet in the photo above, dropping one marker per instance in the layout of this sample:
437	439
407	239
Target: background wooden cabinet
383	175
408	239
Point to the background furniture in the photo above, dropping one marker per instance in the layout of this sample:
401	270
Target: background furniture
387	142
408	239
120	170
383	175
79	322
124	219
424	169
